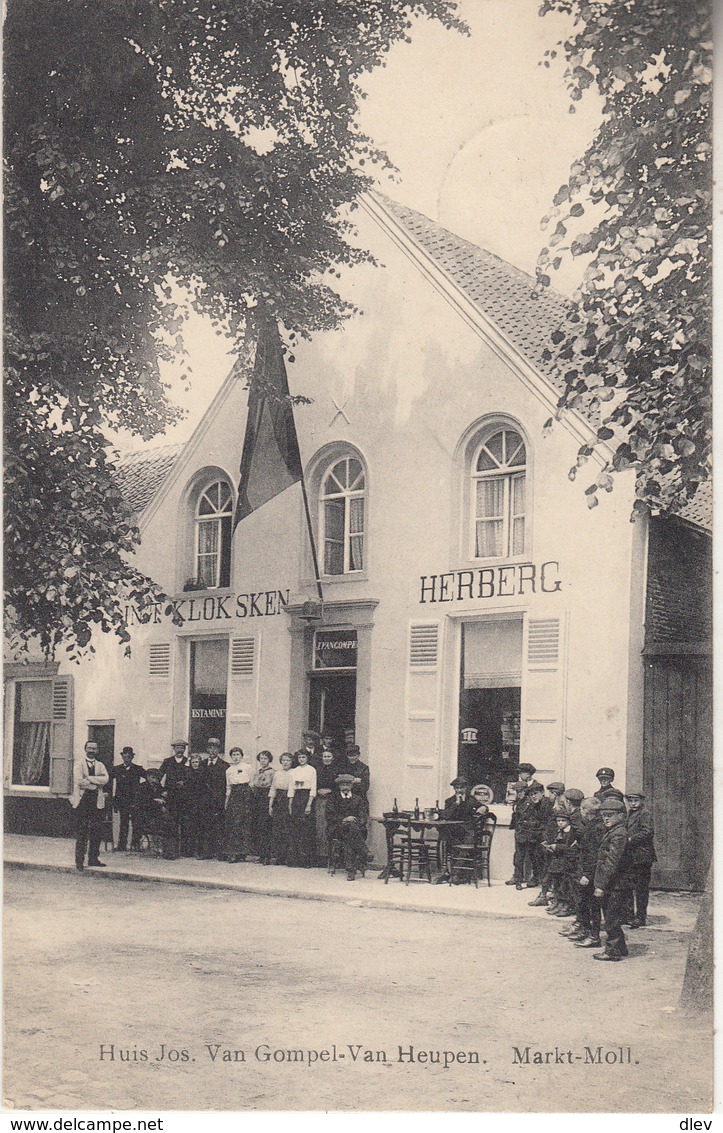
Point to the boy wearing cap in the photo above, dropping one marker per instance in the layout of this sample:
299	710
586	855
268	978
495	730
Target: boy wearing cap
606	790
529	817
586	933
346	819
640	855
553	806
611	887
359	771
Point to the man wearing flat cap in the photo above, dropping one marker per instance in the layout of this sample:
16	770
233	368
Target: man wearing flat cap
216	768
606	790
346	824
640	855
174	771
359	771
612	888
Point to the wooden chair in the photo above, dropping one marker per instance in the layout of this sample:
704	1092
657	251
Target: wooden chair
469	861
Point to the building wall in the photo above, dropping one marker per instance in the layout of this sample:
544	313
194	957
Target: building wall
406	384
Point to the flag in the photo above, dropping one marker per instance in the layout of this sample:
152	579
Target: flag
271	461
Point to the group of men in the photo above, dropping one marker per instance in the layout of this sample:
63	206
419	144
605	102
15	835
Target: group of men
591	857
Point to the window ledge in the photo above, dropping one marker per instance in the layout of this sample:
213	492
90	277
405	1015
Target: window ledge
31	792
333	579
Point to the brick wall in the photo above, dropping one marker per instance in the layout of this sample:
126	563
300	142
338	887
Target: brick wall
679	595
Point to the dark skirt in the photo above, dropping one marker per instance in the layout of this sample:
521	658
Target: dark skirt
303	831
322	843
238	821
280	829
261	823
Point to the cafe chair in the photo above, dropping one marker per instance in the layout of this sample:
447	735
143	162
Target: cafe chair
413	854
469	861
335	856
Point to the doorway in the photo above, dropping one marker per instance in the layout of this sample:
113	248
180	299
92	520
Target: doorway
490	702
332	706
104	736
209	680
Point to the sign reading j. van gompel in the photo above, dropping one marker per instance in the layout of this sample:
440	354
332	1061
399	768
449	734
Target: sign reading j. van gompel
508	581
211	608
335	649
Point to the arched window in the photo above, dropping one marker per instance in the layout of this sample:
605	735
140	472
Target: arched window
214	521
498	495
341	516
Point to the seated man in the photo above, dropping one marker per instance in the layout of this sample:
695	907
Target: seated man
346	819
461	807
155	821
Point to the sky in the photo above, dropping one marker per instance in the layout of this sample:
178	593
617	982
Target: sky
481	136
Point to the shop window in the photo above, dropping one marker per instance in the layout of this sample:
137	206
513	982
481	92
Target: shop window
498	495
342	506
214	528
31	733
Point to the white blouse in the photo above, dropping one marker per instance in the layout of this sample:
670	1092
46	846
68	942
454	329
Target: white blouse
281	782
238	773
302	779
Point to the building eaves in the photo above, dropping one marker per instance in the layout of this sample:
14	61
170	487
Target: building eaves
140	474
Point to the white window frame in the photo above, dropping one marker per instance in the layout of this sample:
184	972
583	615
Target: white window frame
347	495
11	694
218	518
507	474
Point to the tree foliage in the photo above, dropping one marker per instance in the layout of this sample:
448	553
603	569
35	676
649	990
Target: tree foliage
635	350
151	144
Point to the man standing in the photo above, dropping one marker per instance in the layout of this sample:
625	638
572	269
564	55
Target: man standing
216	769
346	816
88	800
611	886
173	772
606	790
640	855
126	777
359	771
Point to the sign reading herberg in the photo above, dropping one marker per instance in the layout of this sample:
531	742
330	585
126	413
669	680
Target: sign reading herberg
506	581
335	649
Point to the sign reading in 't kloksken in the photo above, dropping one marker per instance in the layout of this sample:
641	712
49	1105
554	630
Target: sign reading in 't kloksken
209	608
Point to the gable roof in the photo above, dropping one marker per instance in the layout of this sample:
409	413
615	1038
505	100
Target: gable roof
140	474
501	291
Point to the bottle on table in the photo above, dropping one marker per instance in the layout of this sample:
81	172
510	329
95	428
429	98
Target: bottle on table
416	809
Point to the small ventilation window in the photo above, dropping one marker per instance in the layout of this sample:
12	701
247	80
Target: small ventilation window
543	642
423	641
242	657
160	660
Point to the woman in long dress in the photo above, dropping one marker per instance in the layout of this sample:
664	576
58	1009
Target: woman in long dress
261	786
238	807
302	792
325	783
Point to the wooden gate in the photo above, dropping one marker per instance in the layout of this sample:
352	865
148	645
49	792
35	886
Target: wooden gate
678	765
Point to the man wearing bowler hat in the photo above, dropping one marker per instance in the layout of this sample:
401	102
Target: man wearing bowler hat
126	777
606	790
612	888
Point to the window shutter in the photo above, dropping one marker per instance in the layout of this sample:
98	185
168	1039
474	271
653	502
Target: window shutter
542	693
423	645
159	660
61	737
242	656
421	731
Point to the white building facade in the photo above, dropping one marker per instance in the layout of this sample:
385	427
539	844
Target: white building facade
476	611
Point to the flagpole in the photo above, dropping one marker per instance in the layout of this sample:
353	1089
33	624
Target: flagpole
311	538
